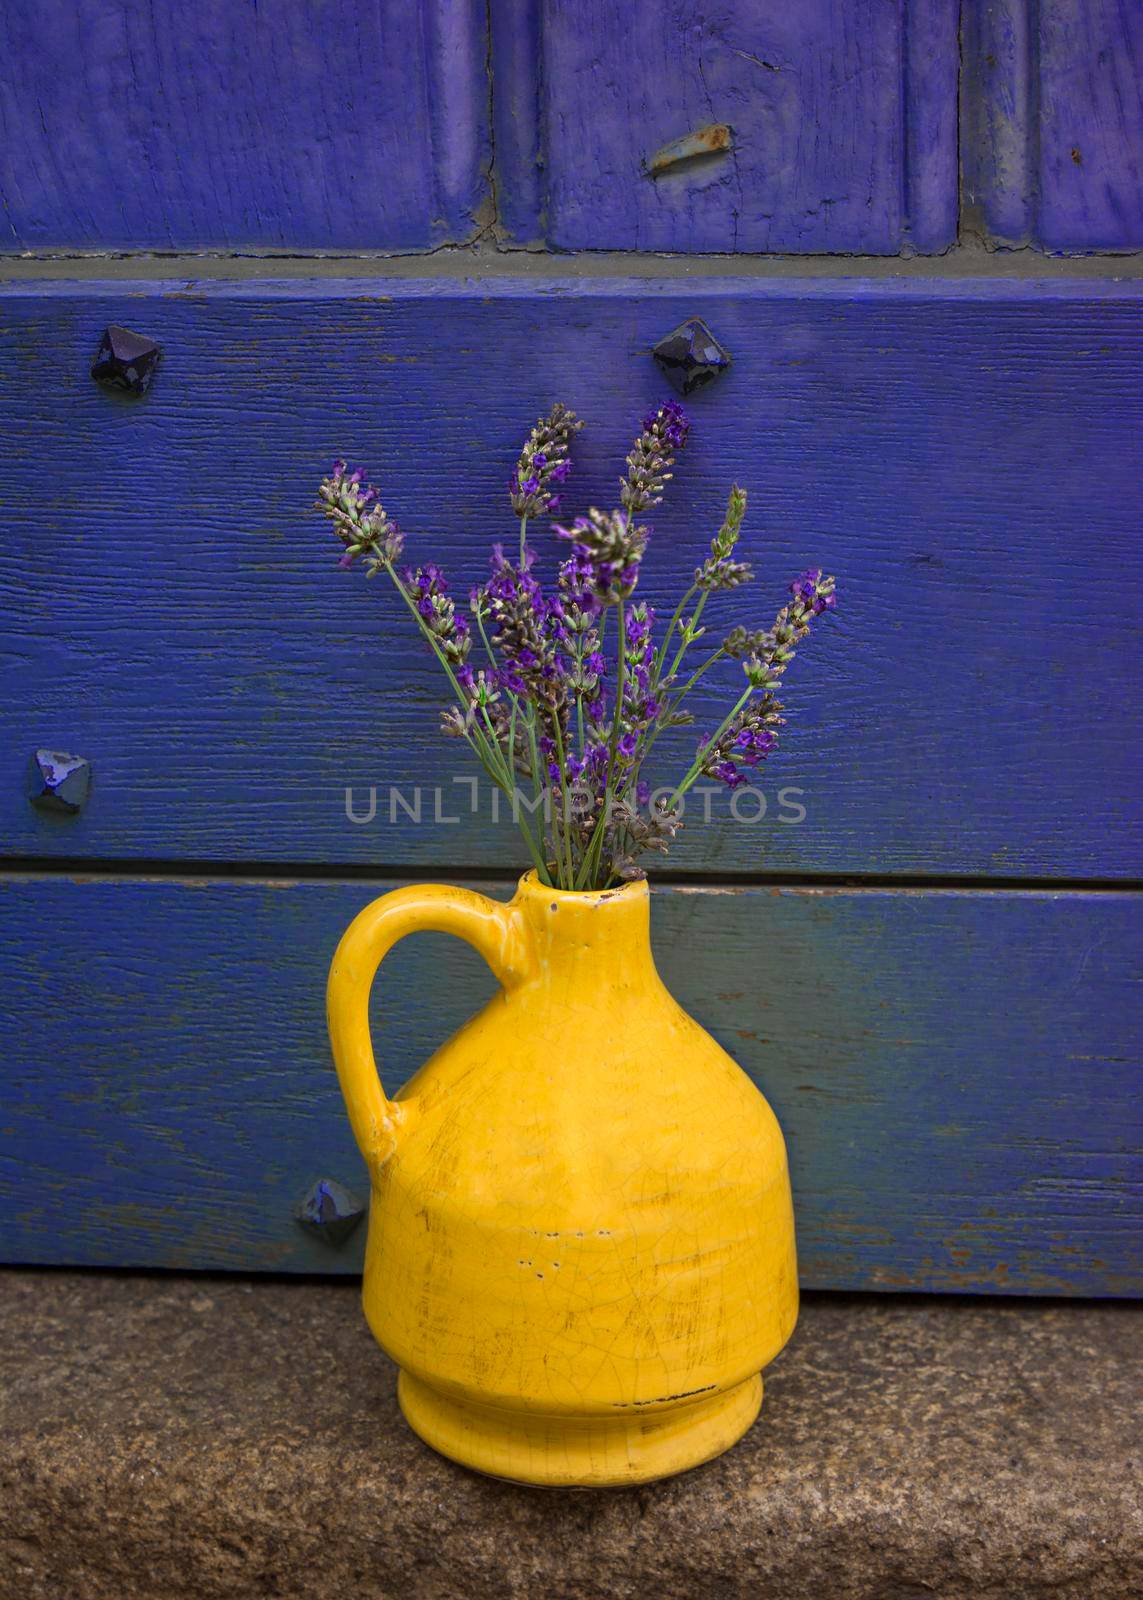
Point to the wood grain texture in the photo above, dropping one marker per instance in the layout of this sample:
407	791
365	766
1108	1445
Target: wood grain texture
956	1073
843	115
963	456
1053	121
242	124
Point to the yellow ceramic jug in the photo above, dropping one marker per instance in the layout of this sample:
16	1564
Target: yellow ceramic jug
581	1238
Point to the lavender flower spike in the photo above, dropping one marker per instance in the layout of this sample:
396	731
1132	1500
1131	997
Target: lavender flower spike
358	518
428	591
747	740
719	570
768	652
543	463
652	455
545	691
609	547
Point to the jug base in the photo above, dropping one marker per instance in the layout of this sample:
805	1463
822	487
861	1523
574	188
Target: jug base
578	1452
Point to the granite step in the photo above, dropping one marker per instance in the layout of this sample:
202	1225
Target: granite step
168	1437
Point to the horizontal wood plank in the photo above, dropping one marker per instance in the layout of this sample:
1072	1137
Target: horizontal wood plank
242	124
963	455
841	118
957	1073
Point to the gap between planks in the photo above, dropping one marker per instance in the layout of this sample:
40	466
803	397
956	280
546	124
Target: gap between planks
466	263
284	874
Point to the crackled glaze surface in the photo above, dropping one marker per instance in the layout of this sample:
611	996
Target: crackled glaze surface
581	1240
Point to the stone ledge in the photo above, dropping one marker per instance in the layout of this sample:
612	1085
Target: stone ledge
173	1437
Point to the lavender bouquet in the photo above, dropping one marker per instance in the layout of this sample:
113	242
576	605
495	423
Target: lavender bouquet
561	717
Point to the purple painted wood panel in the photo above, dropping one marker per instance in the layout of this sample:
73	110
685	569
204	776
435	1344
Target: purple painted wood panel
1053	122
241	124
964	455
842	117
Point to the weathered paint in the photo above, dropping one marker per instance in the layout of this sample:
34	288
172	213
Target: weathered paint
962	454
1053	122
956	1072
242	124
842	116
581	1235
128	125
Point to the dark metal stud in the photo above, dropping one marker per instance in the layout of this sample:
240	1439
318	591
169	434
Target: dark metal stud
126	360
330	1211
58	782
691	356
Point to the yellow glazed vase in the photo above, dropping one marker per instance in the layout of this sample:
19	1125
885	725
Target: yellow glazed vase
581	1238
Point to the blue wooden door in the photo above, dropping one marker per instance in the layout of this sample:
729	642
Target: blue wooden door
922	936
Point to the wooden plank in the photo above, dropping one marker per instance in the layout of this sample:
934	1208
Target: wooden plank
962	455
1053	109
957	1073
842	117
242	124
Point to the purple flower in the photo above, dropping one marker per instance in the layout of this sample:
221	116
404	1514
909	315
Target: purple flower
427	589
546	710
652	456
607	548
815	593
527	628
671	422
359	520
748	740
729	773
543	462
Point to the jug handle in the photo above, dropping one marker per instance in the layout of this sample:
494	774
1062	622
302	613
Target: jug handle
494	929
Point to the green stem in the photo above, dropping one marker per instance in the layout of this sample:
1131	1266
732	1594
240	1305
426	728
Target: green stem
565	816
688	641
595	845
661	654
695	676
474	737
537	789
485	641
700	760
676	700
523	549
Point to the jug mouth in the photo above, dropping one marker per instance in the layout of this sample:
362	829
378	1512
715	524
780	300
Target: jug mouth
530	887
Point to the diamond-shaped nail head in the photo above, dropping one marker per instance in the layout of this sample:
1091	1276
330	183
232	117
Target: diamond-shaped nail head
58	782
691	356
126	360
330	1211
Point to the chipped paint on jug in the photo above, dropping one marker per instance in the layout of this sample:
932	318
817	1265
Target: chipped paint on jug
581	1237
